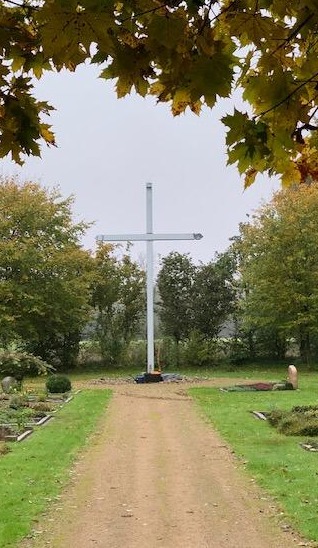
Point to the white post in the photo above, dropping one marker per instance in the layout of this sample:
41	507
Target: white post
150	288
149	237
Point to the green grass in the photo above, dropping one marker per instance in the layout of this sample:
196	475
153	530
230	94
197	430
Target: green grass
277	462
35	471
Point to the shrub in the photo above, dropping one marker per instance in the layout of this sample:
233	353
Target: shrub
299	426
135	354
89	353
167	353
20	364
275	417
198	351
305	408
58	384
4	448
17	401
300	421
42	407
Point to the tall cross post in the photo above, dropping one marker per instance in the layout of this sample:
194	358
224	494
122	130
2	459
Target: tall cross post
149	237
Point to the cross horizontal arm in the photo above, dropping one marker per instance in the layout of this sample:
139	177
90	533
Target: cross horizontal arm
146	237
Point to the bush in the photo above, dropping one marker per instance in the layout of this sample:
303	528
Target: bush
300	421
58	384
20	364
4	448
18	401
89	353
41	407
305	409
275	417
167	353
299	426
135	355
198	351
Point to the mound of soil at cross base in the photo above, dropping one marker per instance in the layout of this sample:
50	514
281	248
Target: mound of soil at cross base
156	475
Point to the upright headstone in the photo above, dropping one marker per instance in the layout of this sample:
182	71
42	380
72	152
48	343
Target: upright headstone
8	384
293	376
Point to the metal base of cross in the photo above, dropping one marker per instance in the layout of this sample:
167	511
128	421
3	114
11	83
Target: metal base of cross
146	378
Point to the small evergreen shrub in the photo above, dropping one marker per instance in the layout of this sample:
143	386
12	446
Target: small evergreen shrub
58	384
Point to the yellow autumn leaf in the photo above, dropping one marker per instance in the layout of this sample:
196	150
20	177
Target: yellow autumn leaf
38	70
17	63
47	134
141	87
250	177
123	86
291	175
196	107
181	100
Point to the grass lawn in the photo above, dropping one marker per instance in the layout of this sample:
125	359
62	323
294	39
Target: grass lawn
34	471
277	462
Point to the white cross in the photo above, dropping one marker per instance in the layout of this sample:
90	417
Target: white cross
149	237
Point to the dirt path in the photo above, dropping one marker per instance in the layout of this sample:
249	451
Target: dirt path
158	476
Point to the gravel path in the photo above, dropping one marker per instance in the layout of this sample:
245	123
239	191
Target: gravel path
157	475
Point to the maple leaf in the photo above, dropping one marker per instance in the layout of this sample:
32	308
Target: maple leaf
250	176
181	100
181	52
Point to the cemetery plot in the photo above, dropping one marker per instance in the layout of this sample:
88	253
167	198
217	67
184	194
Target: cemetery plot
21	413
299	421
310	446
258	387
291	383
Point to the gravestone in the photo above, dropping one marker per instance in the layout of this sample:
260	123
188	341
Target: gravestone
293	376
8	383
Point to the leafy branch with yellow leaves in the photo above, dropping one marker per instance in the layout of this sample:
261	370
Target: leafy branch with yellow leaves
188	54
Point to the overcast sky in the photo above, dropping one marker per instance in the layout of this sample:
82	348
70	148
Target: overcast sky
108	149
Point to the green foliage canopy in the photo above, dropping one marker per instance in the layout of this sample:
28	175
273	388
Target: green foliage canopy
118	294
175	281
214	295
188	53
45	276
20	364
278	262
195	298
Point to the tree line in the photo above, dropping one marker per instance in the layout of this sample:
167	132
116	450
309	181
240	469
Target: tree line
265	284
54	293
51	288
